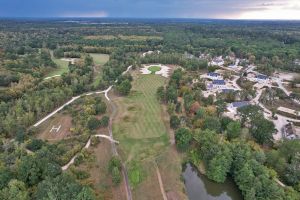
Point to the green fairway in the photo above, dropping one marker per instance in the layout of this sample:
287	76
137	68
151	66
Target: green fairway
100	59
139	126
62	67
154	69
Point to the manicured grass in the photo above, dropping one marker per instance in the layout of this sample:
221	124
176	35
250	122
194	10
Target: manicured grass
100	59
62	67
154	69
139	126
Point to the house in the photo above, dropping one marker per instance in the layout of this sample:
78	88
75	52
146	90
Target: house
226	91
261	78
232	107
289	132
214	76
239	104
297	62
218	84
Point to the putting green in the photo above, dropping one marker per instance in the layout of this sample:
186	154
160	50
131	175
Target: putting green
154	69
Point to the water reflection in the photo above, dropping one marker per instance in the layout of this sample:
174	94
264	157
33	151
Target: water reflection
199	187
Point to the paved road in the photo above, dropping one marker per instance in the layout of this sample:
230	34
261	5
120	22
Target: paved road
281	120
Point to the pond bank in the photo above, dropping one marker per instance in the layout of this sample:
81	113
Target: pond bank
199	187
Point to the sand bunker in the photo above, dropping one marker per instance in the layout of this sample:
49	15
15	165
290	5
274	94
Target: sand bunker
72	60
164	71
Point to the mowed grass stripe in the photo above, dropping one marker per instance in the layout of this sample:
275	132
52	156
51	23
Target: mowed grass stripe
145	134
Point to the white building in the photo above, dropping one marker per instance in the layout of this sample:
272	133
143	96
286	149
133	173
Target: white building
218	84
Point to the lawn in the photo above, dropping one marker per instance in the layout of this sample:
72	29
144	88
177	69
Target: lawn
62	67
154	69
100	59
139	126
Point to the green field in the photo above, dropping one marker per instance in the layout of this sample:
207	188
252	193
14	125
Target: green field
139	126
62	67
100	59
154	69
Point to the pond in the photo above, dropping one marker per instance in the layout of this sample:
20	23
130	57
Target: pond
199	187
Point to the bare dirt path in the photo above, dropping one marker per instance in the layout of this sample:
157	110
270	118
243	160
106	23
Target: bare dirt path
87	145
71	101
52	77
161	185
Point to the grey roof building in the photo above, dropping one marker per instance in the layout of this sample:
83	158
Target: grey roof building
240	104
218	82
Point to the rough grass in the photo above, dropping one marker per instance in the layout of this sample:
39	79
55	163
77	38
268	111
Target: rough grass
141	131
154	69
100	59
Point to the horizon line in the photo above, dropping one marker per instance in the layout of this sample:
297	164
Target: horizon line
154	18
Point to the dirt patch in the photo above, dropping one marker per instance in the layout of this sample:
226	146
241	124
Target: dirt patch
56	128
149	188
169	164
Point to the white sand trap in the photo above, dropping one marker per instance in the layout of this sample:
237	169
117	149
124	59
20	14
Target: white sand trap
164	71
72	60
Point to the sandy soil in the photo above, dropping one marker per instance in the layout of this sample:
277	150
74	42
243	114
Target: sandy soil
163	72
287	76
65	121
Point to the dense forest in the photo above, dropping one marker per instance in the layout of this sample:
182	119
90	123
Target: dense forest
31	168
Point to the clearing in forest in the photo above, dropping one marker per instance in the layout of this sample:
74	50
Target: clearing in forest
62	67
56	128
99	59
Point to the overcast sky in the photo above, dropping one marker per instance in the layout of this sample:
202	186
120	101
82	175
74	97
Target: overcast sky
227	9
